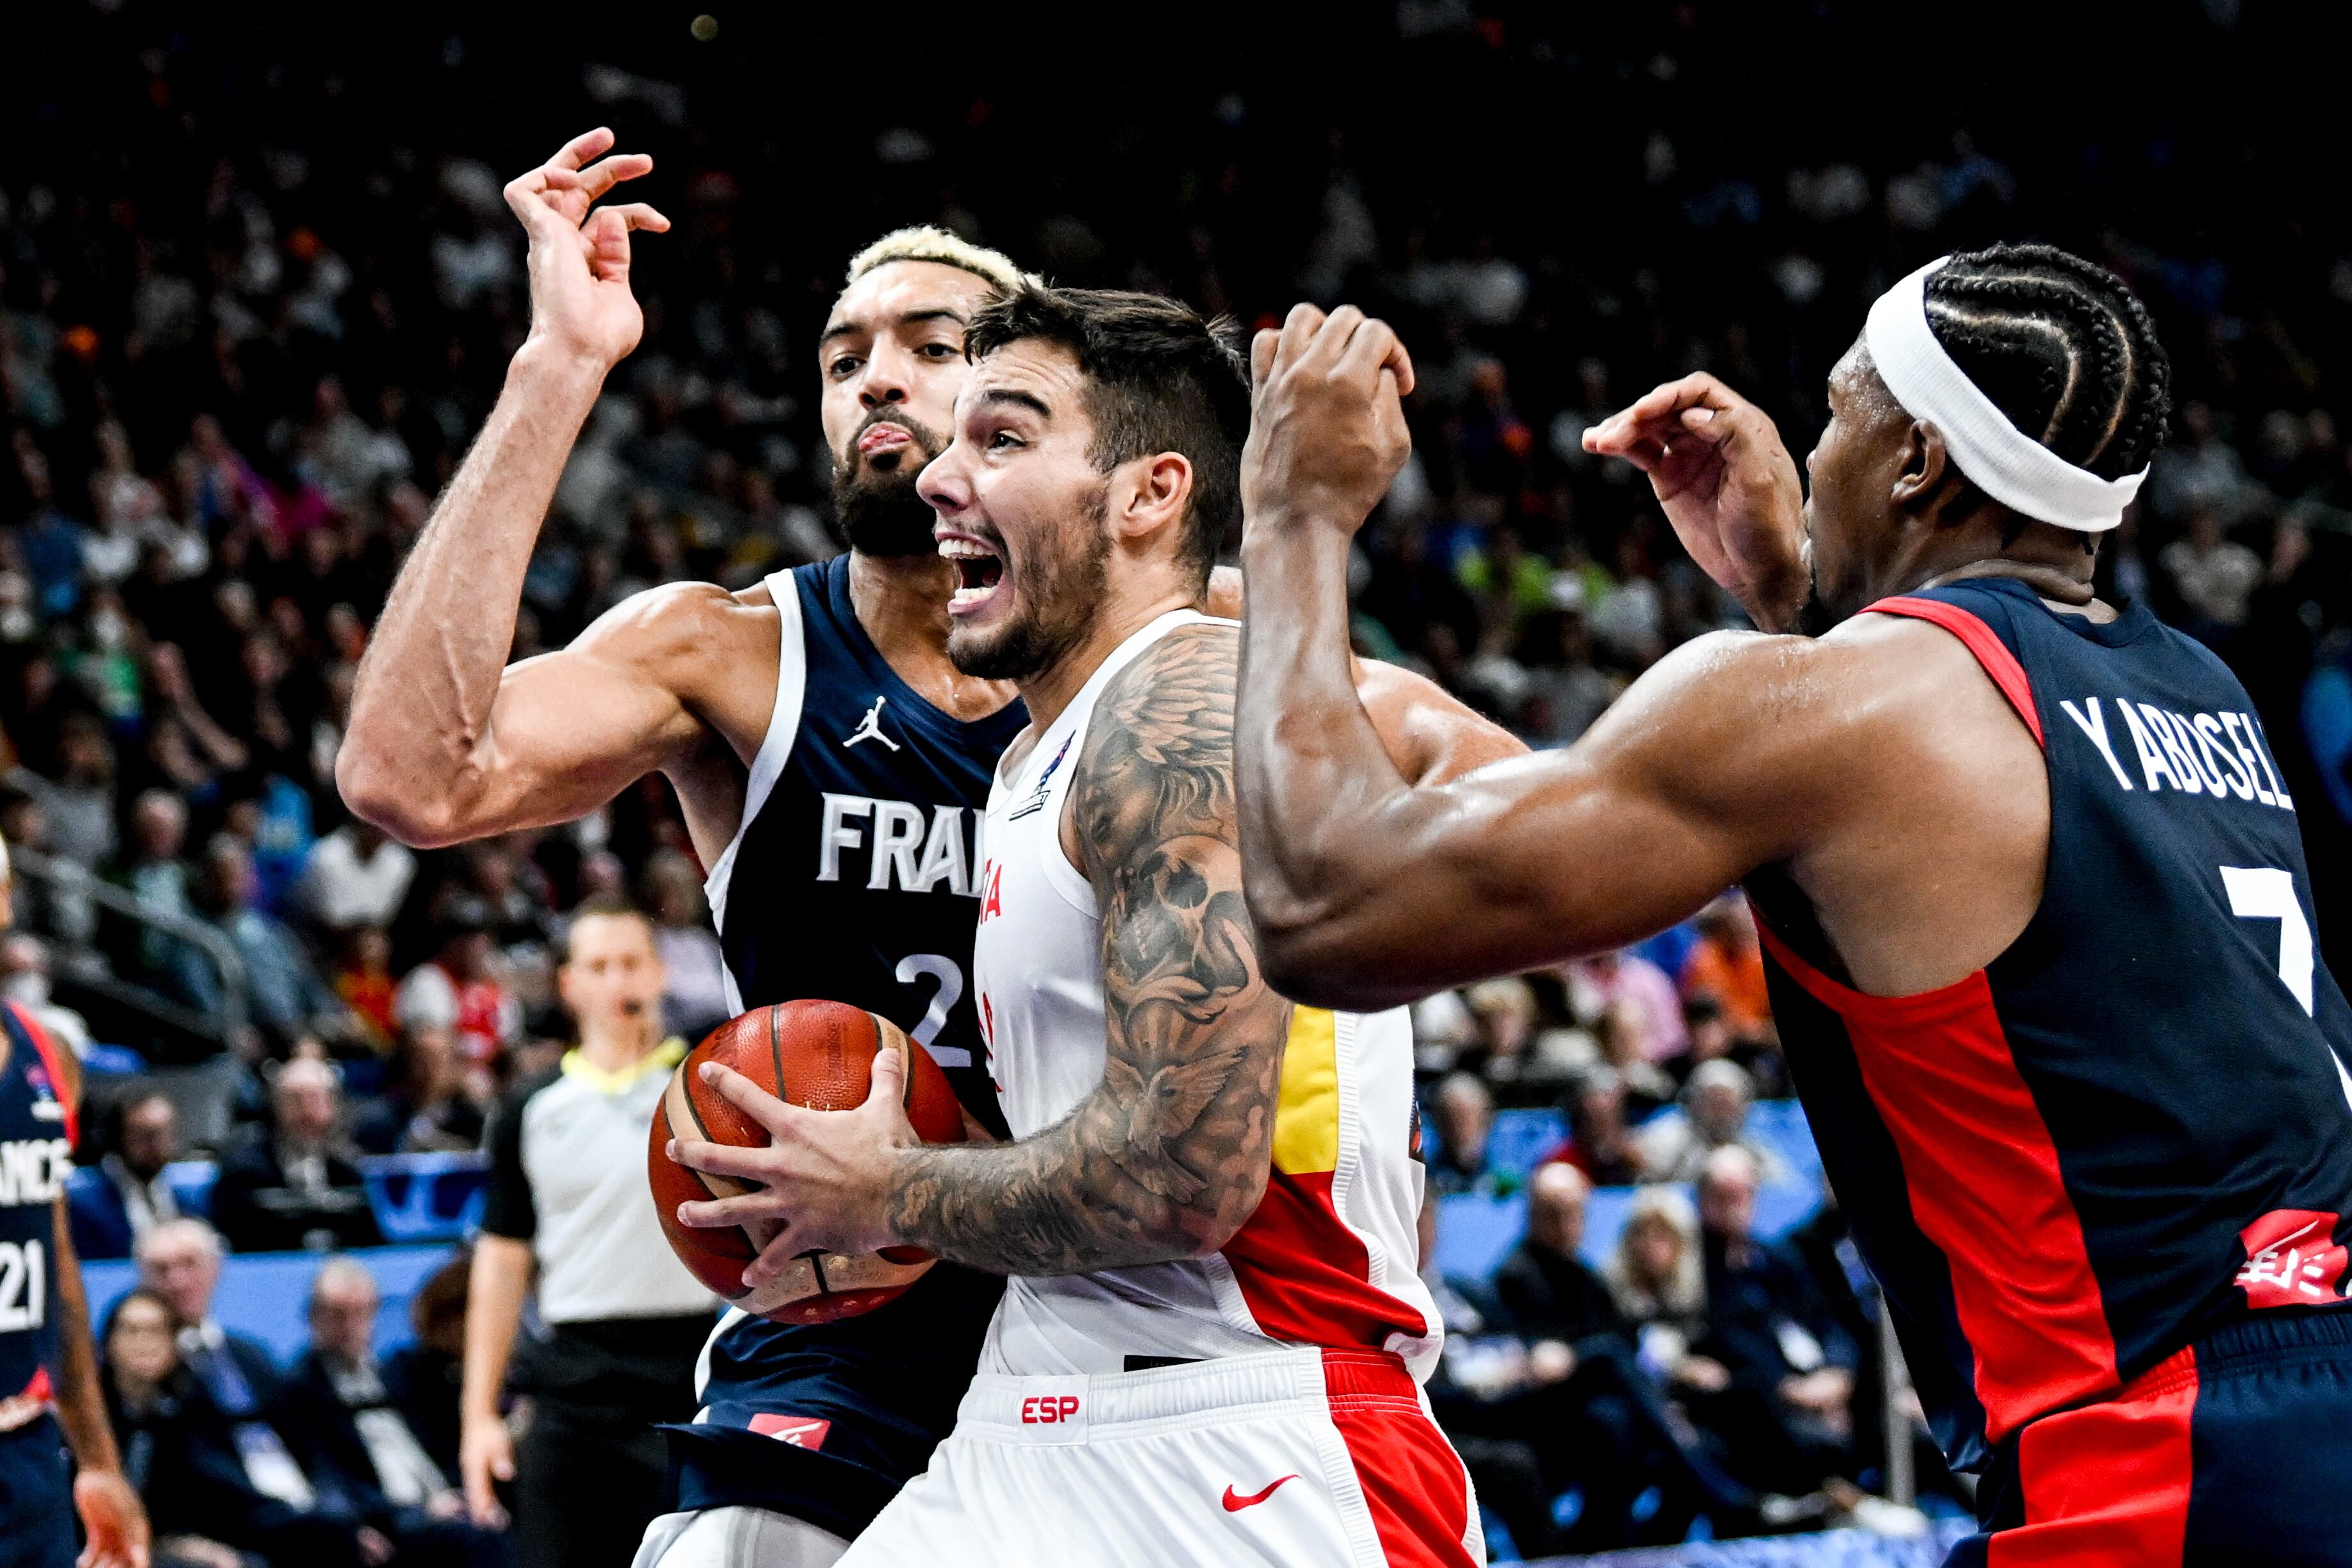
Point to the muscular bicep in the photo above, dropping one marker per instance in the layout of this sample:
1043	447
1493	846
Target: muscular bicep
568	731
1701	772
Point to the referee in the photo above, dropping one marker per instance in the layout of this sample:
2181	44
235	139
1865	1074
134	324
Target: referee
624	1320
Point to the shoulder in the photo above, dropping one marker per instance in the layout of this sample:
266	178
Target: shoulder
1184	680
1427	732
1158	761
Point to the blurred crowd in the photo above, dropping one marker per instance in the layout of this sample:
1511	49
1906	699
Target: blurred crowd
249	320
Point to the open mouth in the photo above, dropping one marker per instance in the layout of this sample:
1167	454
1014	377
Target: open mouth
980	573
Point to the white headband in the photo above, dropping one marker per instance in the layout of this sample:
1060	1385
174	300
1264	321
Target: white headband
1995	456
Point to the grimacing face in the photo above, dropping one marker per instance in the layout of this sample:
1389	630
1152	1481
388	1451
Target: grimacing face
890	361
1022	511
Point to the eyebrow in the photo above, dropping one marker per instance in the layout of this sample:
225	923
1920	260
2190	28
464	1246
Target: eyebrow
1028	400
905	318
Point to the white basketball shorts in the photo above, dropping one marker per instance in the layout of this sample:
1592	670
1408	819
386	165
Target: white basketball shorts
1297	1457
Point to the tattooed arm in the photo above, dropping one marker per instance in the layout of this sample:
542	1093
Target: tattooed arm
1169	1155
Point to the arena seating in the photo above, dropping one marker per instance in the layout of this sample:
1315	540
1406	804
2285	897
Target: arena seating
264	1294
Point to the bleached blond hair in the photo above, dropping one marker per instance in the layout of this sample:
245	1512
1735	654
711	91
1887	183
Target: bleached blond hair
928	242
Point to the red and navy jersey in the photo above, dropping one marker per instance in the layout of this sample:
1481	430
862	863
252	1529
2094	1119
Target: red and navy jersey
36	1134
2135	1124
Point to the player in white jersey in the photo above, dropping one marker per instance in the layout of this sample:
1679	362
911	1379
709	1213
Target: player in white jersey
1210	1346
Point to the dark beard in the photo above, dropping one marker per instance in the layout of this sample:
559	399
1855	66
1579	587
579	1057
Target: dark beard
1054	615
877	511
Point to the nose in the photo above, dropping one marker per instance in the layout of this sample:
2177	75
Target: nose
886	380
942	483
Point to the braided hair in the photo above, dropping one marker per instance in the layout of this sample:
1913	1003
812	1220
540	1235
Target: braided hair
2062	348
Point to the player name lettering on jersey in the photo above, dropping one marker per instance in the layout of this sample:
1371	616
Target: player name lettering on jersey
34	1170
2221	754
921	849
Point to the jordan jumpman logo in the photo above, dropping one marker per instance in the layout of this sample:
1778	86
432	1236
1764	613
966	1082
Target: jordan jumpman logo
870	728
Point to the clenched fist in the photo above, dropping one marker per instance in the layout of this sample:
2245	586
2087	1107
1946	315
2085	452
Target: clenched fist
1327	427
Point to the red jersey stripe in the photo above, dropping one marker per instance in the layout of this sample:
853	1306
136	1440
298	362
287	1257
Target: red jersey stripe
1413	1482
1306	1277
1982	1176
1980	640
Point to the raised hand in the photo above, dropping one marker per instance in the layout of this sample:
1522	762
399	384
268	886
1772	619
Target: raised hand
1326	426
1728	485
580	299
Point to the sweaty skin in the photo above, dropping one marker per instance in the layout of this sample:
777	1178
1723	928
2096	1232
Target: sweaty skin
1875	764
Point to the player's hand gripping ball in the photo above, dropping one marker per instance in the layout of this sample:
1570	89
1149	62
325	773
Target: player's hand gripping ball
817	1054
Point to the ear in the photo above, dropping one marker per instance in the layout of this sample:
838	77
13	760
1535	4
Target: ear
1149	496
1926	481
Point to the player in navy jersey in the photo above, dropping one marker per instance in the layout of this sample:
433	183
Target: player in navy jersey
832	765
50	1399
2033	899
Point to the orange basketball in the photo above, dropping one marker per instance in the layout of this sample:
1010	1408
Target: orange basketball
820	1054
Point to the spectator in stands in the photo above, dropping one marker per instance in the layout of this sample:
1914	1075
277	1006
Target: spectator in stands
2212	574
458	989
423	1375
1599	1143
216	1482
363	980
157	877
24	980
1571	1317
1463	1112
338	1407
355	875
1787	1413
1630	1003
1727	963
695	1001
428	1106
1714	1115
287	998
149	1400
297	1189
125	1196
80	801
1658	1276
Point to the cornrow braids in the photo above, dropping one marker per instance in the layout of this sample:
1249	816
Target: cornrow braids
2062	347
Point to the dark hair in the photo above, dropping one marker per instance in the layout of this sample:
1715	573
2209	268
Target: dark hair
603	906
139	1293
1160	379
2062	347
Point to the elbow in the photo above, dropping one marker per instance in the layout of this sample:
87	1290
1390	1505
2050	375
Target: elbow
1214	1229
375	793
1305	955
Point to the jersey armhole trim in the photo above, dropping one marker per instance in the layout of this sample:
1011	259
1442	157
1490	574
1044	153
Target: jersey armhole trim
1921	1007
1979	639
783	729
46	1049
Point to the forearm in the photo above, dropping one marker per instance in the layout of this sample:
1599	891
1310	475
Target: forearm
499	1278
420	721
81	1407
1086	1194
1311	772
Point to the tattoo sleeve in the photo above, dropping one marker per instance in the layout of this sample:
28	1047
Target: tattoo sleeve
1167	1155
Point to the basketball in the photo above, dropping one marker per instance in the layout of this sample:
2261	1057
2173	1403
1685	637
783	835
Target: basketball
819	1054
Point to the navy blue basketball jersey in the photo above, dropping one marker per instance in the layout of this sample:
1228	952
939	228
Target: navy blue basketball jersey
853	878
2133	1126
36	1134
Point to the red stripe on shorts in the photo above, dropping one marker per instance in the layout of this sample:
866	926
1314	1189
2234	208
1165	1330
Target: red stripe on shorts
1412	1478
2107	1485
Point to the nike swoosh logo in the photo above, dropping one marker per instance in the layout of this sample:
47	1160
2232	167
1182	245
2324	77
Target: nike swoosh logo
1235	1503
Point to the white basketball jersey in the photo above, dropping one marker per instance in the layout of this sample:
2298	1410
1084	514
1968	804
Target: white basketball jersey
1328	1256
